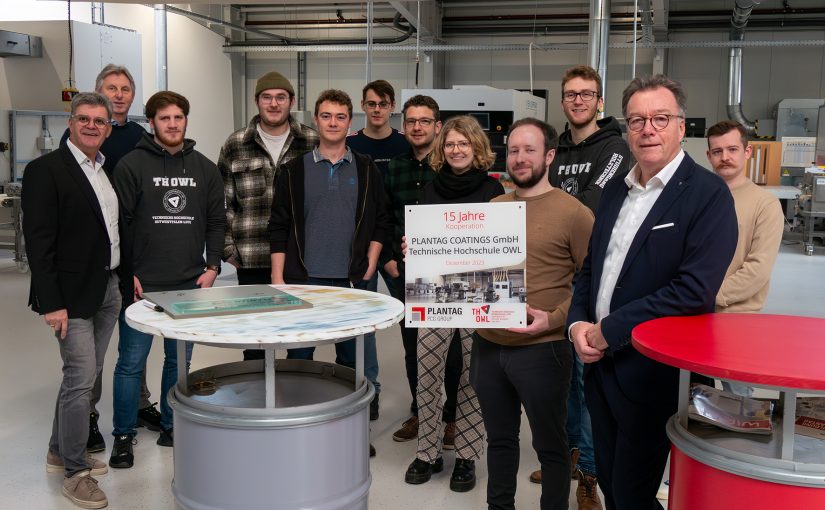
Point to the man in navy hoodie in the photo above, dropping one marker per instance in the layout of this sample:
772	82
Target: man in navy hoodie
172	205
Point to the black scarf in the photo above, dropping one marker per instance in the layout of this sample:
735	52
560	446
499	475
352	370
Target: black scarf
452	186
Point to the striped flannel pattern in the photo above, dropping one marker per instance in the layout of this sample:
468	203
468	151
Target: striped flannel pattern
249	173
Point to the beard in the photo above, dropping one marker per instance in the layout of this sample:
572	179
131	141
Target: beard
168	141
535	177
277	123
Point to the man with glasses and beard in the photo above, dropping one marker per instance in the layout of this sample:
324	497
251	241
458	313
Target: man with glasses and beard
531	366
171	201
249	162
590	153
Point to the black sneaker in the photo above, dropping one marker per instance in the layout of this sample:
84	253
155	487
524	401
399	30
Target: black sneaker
149	417
372	450
374	408
166	438
122	456
95	443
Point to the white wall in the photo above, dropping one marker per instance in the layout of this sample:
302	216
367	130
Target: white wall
198	68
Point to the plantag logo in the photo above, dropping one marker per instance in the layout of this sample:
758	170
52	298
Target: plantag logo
174	201
418	314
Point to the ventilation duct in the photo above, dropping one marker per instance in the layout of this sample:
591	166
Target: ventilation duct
741	12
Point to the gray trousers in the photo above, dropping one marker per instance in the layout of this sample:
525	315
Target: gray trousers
83	352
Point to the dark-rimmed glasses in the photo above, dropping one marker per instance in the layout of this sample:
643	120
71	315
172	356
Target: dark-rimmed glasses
658	121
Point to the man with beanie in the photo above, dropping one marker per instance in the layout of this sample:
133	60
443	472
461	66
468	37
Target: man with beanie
171	203
249	163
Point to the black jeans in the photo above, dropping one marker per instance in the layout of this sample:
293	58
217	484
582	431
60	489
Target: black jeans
254	276
538	377
452	370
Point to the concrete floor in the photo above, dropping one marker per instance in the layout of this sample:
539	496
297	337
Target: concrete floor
30	372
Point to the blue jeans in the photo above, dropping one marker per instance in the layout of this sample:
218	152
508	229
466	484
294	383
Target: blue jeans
345	350
579	429
133	349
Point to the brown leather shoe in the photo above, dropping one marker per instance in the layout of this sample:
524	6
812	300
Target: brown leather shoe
449	436
587	493
82	489
408	430
535	476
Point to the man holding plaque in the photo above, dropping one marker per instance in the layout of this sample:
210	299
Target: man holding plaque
532	366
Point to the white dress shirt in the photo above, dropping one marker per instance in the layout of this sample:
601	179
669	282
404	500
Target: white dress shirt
635	208
105	196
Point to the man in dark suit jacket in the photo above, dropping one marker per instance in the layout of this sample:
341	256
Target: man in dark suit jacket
661	243
73	248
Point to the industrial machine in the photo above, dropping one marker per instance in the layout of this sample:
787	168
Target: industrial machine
811	208
495	109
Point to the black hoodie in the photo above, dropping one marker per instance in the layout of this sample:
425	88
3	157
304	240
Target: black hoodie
583	169
172	206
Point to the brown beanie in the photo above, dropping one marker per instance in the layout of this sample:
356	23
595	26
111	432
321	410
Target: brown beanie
273	80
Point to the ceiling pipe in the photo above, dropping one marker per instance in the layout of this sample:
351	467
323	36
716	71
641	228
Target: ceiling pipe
741	12
270	38
598	38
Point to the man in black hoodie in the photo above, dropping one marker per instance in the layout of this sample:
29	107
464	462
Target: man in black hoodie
591	152
171	200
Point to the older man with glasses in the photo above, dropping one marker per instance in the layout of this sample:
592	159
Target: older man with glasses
73	247
662	241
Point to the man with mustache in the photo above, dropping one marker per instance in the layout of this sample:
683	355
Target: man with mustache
249	163
172	205
761	223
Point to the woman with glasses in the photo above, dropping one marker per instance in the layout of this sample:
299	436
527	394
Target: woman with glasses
461	157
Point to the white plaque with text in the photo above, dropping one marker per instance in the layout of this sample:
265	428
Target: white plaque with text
465	265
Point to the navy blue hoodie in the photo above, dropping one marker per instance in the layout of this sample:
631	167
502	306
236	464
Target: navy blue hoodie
173	207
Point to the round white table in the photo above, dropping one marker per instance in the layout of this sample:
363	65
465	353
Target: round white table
241	443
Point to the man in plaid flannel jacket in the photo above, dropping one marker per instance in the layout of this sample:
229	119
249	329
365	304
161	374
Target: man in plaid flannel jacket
249	162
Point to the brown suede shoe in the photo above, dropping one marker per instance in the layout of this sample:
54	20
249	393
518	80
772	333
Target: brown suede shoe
449	436
587	493
408	430
82	489
54	464
535	476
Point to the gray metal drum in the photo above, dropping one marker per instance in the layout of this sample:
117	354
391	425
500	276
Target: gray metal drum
311	451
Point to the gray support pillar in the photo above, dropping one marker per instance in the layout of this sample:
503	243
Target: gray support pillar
161	68
369	42
598	38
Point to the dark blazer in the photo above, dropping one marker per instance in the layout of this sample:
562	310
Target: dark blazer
67	244
674	270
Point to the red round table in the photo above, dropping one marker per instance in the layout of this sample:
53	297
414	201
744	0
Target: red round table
712	468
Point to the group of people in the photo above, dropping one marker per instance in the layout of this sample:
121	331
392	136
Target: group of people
116	211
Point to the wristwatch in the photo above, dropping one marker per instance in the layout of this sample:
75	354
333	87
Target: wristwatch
213	267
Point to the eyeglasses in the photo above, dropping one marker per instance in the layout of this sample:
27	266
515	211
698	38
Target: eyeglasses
410	123
99	122
658	121
279	99
462	145
586	95
372	104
